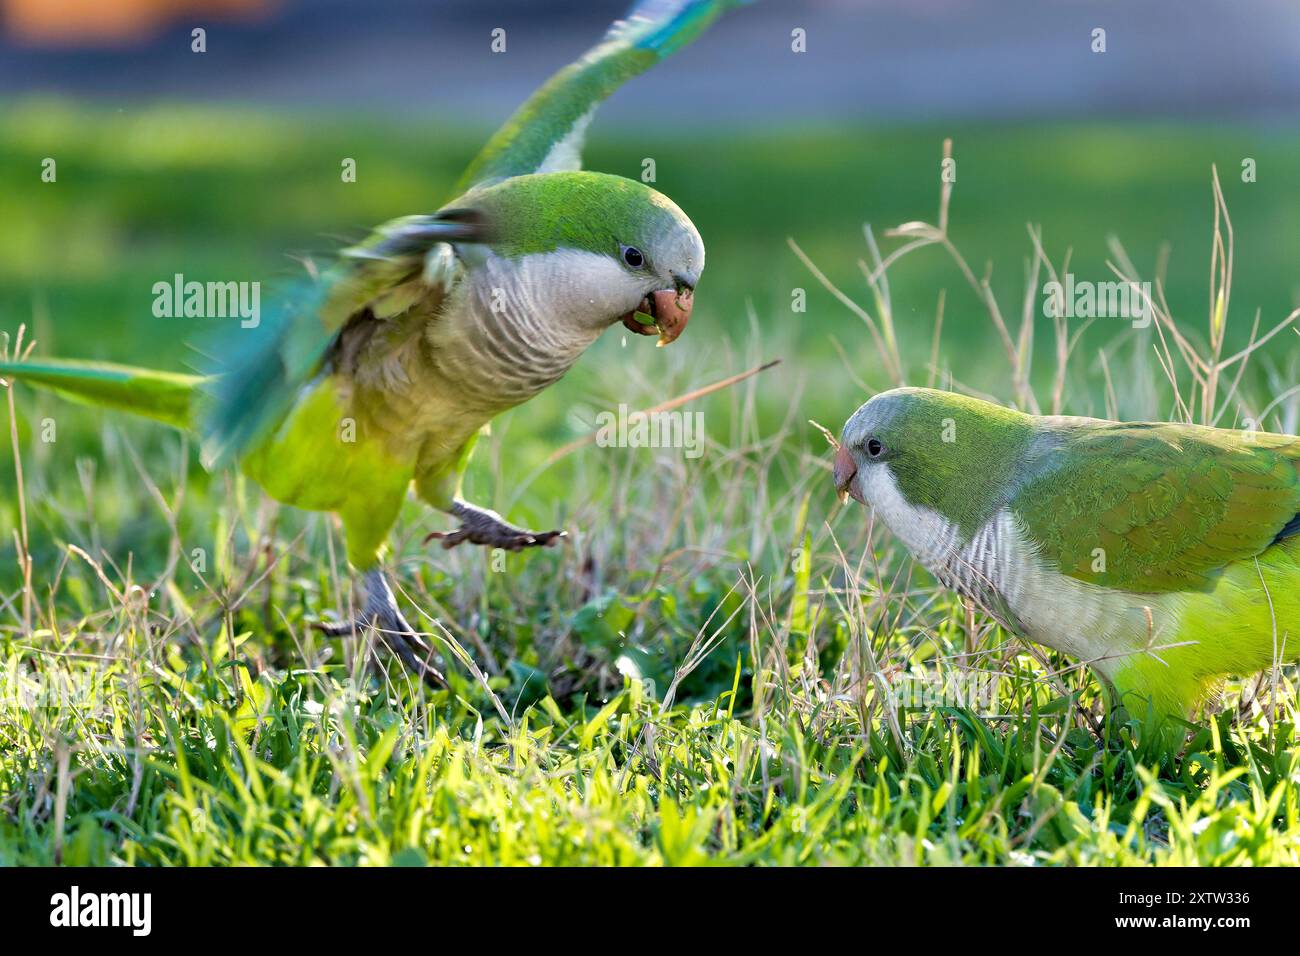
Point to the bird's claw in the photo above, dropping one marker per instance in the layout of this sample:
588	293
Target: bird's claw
480	526
390	628
339	628
512	539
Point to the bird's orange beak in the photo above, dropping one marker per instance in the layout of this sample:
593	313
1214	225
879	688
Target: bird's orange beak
845	472
666	312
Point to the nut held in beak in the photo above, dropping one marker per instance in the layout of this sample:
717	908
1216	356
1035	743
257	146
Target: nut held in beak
672	312
845	472
639	320
665	312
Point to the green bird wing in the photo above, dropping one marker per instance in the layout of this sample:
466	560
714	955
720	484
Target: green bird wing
1157	507
261	369
546	133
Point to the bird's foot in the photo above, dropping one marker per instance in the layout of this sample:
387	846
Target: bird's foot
481	526
382	614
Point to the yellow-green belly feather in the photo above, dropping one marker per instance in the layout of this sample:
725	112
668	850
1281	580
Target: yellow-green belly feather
321	459
1249	620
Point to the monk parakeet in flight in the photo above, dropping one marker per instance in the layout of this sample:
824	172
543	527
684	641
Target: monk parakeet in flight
1165	556
379	374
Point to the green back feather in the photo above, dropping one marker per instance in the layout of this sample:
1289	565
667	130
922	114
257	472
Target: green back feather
1159	507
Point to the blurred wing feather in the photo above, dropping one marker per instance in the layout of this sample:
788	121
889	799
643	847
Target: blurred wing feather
262	369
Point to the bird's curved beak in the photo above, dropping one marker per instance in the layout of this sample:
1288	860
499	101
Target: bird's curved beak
845	472
666	312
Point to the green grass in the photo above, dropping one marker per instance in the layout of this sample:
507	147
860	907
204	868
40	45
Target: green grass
300	778
699	675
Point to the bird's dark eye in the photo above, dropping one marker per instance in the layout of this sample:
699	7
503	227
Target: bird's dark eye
632	256
875	447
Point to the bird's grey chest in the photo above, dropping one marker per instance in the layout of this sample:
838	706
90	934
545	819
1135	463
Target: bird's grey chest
988	566
511	329
504	331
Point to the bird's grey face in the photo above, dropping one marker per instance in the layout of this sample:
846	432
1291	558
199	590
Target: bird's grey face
867	445
662	262
592	249
911	452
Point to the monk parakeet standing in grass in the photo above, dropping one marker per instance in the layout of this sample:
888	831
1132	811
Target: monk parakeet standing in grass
379	374
1165	556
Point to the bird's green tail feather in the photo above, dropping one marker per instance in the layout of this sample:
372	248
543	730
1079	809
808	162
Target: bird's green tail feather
167	397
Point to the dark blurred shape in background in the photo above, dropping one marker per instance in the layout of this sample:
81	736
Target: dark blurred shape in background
917	60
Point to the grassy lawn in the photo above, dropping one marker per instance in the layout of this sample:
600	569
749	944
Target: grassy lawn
710	669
